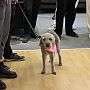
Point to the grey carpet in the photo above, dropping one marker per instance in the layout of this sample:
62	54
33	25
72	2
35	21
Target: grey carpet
43	23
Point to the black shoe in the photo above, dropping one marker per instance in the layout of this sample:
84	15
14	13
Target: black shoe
6	73
72	34
25	40
2	85
14	57
27	37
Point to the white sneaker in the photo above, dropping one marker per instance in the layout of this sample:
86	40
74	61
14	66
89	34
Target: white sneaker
53	26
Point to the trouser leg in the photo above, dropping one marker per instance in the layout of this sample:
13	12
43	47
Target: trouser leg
6	25
70	14
2	16
31	8
59	16
7	49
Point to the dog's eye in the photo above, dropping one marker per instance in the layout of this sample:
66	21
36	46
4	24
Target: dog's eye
44	39
50	39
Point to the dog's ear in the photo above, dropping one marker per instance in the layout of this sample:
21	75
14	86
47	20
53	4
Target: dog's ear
40	41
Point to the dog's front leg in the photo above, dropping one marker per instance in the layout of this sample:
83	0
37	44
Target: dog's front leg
52	63
44	66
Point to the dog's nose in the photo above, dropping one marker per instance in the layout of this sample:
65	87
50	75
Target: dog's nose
48	45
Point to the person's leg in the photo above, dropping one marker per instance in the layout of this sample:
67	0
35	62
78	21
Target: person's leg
2	85
2	16
31	8
70	17
35	10
4	70
28	4
8	53
70	14
7	49
59	17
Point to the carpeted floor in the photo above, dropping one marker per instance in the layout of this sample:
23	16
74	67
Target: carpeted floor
44	21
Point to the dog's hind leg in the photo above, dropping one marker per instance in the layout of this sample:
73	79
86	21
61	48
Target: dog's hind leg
58	51
44	66
52	63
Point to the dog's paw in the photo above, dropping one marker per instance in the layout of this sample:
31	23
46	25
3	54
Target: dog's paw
54	73
60	64
42	72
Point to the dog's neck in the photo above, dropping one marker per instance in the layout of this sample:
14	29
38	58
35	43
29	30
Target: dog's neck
51	49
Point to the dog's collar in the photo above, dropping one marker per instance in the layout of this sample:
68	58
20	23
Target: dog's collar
52	48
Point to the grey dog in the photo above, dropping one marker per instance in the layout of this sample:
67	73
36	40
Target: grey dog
46	41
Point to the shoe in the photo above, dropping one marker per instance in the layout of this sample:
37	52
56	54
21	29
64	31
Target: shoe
14	57
6	73
2	85
26	38
52	27
1	63
30	35
72	34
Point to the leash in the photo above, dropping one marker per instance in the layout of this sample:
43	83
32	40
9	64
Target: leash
28	20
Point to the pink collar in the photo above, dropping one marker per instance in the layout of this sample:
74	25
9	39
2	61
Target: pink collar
52	48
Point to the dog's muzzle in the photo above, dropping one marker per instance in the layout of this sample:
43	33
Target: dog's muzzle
48	45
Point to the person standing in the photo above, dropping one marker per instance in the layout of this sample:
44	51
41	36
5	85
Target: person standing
65	8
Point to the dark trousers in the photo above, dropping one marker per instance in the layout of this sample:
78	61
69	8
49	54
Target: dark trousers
65	8
7	49
31	8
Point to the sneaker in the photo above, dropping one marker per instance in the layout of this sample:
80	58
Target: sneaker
72	34
27	37
6	73
2	85
52	27
14	57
